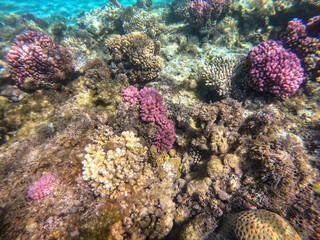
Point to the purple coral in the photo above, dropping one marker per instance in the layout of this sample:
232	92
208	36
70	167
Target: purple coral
37	62
296	39
274	69
151	105
164	137
41	187
152	110
201	11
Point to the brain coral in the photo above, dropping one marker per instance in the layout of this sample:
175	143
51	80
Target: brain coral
258	224
135	54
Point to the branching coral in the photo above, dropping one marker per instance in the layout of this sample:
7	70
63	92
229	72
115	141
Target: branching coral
218	74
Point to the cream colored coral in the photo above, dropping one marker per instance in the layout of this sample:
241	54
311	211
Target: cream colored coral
218	74
118	172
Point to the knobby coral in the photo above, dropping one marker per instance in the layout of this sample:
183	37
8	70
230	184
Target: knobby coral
274	69
152	110
304	41
136	55
38	62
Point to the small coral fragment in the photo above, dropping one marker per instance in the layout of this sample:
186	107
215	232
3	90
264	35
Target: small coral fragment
41	187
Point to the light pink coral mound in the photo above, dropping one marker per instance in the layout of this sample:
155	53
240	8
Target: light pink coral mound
41	187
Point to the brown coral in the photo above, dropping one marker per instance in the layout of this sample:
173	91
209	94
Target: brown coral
258	224
135	54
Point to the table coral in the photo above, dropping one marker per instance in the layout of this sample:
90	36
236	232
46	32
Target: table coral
258	224
38	62
136	55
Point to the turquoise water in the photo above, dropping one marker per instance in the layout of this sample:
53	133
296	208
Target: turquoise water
43	9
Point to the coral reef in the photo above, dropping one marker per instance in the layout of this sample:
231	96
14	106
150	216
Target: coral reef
101	20
38	62
136	55
227	158
258	224
274	69
142	21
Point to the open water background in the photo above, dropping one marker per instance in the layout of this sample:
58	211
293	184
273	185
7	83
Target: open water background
45	9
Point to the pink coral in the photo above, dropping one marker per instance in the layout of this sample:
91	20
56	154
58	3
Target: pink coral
41	187
152	110
296	39
38	62
151	105
164	137
130	94
274	69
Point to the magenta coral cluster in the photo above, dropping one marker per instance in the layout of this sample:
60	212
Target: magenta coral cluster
38	62
152	110
274	69
201	11
41	187
295	38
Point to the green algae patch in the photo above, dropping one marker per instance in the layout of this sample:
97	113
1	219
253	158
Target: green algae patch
316	187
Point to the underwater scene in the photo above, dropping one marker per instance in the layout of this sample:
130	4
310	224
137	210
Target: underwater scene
145	119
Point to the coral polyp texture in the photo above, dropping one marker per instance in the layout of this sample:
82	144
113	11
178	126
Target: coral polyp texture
201	11
135	55
38	62
119	171
258	224
218	73
42	187
274	69
304	41
152	110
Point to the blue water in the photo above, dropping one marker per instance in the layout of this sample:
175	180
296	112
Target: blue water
43	9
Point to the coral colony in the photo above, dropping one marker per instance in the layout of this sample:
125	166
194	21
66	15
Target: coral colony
37	62
42	187
198	119
152	110
274	69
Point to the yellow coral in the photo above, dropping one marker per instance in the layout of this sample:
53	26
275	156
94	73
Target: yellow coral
116	172
140	52
258	224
